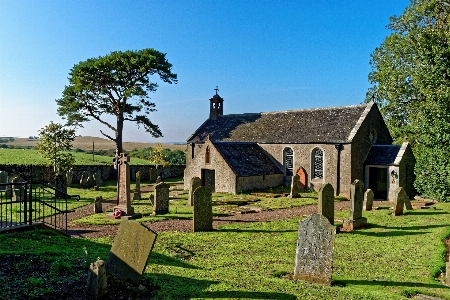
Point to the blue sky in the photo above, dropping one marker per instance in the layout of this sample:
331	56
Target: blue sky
263	55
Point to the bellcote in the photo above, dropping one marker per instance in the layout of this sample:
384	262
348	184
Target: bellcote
216	106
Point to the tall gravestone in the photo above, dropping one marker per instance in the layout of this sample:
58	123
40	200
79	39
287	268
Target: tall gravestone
152	175
356	207
161	199
3	179
18	189
202	219
69	177
194	183
84	179
130	251
325	205
294	186
98	178
368	199
315	250
399	200
137	189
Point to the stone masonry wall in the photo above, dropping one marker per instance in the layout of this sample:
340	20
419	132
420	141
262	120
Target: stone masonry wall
258	182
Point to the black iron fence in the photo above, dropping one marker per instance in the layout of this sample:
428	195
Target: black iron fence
27	203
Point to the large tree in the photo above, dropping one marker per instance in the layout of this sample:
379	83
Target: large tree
411	83
117	84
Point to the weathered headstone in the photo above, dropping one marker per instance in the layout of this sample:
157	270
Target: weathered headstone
161	199
98	204
84	179
61	184
158	179
294	186
325	205
315	250
408	205
202	219
69	177
368	199
130	251
3	179
194	183
9	189
137	190
18	189
399	200
90	181
152	175
356	207
98	178
97	283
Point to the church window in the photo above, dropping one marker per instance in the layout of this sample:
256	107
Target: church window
288	161
207	158
192	152
318	163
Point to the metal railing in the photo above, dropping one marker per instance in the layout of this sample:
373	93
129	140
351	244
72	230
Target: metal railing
26	203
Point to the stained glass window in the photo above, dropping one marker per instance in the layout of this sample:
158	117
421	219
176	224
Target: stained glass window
318	163
288	161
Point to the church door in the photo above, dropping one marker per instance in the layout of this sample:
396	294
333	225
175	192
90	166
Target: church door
303	180
209	179
378	182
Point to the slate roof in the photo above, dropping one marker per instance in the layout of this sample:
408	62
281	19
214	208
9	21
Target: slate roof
323	125
247	159
384	155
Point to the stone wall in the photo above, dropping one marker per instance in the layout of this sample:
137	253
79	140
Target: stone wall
258	182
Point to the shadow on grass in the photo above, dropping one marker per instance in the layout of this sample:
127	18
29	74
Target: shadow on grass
161	259
425	212
388	233
407	227
252	230
392	283
177	287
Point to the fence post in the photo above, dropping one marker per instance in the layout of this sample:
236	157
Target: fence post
30	198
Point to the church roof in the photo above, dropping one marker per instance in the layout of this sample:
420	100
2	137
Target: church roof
247	159
384	155
322	125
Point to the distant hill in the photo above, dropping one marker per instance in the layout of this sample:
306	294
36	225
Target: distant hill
85	143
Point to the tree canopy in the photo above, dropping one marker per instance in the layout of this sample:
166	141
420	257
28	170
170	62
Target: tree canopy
117	84
411	83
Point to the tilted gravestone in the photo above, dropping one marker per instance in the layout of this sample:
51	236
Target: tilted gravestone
194	183
399	200
161	199
137	189
84	179
202	219
325	205
294	186
408	205
315	250
368	199
3	179
152	175
356	207
130	251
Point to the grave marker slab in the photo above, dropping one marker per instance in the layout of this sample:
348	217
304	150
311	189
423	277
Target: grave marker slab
98	178
202	219
315	250
368	200
69	177
18	189
194	183
137	190
3	179
130	251
84	179
152	175
294	186
161	199
325	205
98	204
97	283
356	207
399	200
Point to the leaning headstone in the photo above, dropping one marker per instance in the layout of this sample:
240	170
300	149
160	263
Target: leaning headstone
368	199
98	178
98	204
158	179
84	179
294	186
130	251
399	200
195	183
137	190
161	199
3	179
152	175
356	207
69	177
315	250
18	189
408	205
202	219
97	284
325	205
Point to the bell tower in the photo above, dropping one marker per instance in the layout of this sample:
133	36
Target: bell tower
216	106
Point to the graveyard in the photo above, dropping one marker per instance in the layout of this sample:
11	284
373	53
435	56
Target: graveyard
248	252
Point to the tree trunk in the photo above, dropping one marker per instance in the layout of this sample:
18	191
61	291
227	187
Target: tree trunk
119	148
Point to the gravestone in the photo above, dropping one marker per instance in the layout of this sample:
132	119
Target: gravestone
9	190
399	200
69	177
294	186
90	181
408	205
356	207
195	183
137	190
202	219
97	283
325	205
368	199
315	250
161	199
130	251
152	175
61	185
18	189
84	179
98	204
3	179
98	178
158	179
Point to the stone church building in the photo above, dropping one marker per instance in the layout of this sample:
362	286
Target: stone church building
336	145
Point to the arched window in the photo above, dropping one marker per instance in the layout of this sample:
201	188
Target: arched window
317	161
207	155
288	161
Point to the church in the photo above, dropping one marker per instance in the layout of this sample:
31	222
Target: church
243	152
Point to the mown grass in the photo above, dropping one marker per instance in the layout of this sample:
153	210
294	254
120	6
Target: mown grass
393	258
32	157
